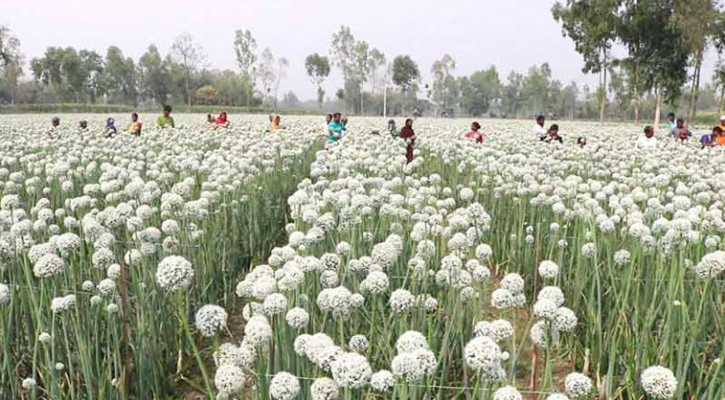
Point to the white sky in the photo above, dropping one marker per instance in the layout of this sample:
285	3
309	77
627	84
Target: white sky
511	34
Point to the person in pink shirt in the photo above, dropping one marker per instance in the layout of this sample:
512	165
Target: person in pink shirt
474	133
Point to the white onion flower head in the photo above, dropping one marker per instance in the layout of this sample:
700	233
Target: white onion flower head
275	303
351	370
401	301
548	269
229	379
659	382
297	318
577	385
284	386
210	319
382	380
174	273
507	393
324	389
411	341
513	282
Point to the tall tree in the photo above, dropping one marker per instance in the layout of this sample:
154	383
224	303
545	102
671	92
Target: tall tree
480	91
376	60
444	83
361	65
119	77
11	61
190	56
342	51
267	71
245	48
282	65
405	74
318	69
592	25
154	76
696	19
512	99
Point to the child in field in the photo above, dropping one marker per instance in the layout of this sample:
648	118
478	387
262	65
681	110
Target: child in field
581	142
335	128
165	120
474	133
275	125
553	135
408	134
83	126
713	139
135	126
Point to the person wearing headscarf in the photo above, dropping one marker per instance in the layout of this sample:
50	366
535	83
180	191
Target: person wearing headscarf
52	132
408	134
222	121
110	130
275	124
135	126
392	129
474	133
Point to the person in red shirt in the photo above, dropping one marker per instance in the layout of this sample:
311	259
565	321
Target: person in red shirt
408	135
474	133
222	121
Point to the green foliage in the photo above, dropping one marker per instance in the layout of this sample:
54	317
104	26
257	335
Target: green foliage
405	72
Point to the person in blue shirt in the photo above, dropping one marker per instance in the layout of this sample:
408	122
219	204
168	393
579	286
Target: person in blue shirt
712	139
671	121
336	128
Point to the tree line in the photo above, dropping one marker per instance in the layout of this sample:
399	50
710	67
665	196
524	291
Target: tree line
665	41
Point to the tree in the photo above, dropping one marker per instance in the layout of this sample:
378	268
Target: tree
154	76
343	55
267	72
11	61
658	51
207	95
376	60
696	19
445	89
361	65
480	91
189	55
318	69
245	48
282	65
718	78
536	87
290	100
405	74
119	77
592	25
92	66
512	99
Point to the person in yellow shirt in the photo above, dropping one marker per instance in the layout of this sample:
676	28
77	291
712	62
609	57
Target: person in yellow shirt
166	119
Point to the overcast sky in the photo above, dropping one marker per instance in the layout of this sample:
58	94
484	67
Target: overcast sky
512	35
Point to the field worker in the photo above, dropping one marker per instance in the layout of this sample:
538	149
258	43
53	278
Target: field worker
110	130
392	129
582	141
83	126
165	120
335	128
135	126
222	121
671	121
276	124
711	139
53	130
553	135
681	132
343	120
408	134
648	141
474	133
539	130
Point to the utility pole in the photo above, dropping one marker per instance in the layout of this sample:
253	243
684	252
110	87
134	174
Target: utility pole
385	94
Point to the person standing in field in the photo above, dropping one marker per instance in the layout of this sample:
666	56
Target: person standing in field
681	132
276	123
408	134
712	139
110	130
474	133
392	129
538	129
335	128
165	120
135	126
82	126
553	135
581	141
